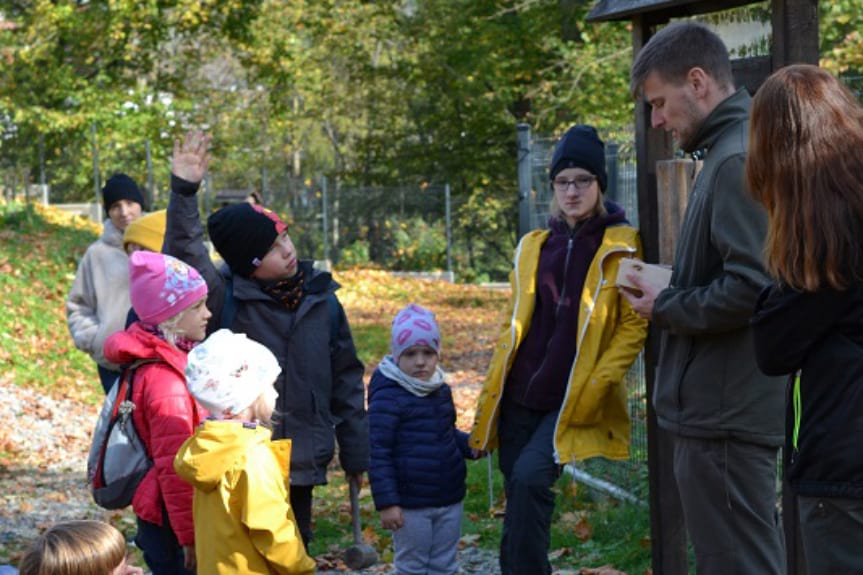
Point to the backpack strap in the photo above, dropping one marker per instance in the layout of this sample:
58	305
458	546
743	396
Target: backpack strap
126	379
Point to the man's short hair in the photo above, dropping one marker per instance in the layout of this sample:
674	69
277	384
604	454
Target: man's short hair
675	50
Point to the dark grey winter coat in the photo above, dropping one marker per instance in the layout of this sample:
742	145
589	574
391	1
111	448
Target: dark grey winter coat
321	392
707	383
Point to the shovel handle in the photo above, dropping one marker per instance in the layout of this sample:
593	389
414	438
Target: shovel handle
355	510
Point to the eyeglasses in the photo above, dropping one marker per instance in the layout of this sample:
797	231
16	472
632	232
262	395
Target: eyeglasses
580	183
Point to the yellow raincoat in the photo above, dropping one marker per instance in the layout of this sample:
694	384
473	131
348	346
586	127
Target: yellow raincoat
243	518
594	417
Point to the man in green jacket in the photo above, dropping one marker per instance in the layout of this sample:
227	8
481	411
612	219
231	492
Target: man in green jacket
722	416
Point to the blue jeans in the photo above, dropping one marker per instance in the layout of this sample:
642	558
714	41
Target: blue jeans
527	462
162	552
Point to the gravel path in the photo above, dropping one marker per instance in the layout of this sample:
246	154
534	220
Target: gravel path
42	475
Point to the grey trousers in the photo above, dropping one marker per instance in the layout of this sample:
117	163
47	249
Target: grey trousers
832	533
527	462
427	542
728	493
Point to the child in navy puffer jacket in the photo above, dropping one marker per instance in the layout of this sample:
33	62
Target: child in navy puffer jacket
417	469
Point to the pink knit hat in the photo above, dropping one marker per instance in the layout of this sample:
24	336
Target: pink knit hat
161	286
414	325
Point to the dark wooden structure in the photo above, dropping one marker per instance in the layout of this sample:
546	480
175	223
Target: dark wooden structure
794	40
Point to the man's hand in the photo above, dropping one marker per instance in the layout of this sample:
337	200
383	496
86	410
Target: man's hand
643	298
191	158
392	518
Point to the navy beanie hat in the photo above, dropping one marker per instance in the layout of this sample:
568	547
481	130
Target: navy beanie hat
580	147
121	187
243	234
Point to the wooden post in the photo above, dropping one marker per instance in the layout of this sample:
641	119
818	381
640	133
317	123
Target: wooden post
674	181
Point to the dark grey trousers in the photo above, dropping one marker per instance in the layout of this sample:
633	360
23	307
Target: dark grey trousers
832	533
527	462
728	494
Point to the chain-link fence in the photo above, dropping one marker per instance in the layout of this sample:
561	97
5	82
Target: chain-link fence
617	478
399	228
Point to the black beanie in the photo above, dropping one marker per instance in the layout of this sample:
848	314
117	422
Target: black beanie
121	187
580	147
243	234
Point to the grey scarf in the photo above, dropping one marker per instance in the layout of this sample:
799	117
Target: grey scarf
418	387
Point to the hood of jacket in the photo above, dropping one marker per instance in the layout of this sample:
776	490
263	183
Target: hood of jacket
125	347
217	447
729	113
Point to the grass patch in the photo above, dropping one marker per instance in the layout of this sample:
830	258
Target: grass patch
39	255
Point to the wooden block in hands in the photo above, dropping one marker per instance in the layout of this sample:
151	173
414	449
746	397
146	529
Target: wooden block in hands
648	273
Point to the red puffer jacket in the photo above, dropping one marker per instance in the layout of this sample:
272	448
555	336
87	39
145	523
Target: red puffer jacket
166	415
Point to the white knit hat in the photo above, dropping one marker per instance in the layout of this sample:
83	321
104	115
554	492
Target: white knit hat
228	371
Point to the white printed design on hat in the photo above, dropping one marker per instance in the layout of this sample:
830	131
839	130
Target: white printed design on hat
178	281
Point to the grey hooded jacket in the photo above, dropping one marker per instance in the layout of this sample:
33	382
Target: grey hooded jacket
321	391
708	384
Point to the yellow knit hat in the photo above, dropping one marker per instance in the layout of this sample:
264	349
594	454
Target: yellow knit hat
148	231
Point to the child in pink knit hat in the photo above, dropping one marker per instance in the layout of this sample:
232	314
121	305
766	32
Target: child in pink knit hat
169	298
417	470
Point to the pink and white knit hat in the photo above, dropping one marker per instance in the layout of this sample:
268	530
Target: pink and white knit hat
161	286
414	325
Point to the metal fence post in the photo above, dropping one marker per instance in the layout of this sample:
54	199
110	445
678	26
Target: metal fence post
524	161
151	190
95	161
42	183
612	190
448	228
324	217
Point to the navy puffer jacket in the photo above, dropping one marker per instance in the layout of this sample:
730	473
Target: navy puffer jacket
417	453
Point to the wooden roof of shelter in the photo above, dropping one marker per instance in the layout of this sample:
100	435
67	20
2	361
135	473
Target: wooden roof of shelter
607	10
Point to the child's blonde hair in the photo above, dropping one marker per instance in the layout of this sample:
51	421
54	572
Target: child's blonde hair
262	412
169	328
83	547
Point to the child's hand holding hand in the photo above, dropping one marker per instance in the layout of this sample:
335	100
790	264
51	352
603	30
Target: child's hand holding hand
392	518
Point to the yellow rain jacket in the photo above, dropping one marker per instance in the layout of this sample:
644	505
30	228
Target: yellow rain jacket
243	518
594	416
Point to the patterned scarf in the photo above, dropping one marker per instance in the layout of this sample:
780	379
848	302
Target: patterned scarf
418	387
288	292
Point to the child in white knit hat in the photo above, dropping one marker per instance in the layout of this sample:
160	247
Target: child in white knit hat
243	519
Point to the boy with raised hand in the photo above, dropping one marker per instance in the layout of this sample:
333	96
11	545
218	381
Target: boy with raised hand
285	304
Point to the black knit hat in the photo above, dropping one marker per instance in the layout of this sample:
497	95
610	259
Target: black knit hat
121	187
580	147
243	234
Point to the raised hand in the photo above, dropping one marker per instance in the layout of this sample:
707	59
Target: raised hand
191	158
